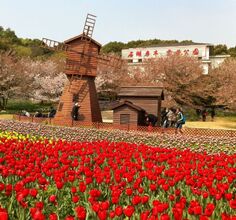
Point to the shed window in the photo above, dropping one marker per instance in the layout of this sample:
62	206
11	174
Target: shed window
124	118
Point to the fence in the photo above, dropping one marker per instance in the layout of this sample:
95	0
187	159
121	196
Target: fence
130	127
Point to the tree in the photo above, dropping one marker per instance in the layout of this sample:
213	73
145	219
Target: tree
109	78
232	51
180	75
176	73
113	47
225	79
48	79
220	49
13	79
26	78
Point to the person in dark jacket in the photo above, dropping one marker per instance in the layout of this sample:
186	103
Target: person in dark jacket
52	112
180	121
151	119
204	114
75	111
213	114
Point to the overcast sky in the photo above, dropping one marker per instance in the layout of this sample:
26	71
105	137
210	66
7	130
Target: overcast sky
205	21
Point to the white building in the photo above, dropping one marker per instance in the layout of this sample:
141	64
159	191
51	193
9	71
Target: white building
199	50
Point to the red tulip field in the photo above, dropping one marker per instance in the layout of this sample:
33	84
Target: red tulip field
45	178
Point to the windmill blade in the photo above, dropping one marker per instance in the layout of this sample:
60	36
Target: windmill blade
54	45
73	65
89	25
110	60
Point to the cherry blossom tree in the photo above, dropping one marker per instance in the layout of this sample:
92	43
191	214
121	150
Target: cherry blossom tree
176	73
14	80
224	78
26	78
48	79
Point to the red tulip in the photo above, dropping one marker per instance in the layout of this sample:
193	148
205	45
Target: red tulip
52	198
171	197
39	205
153	187
75	199
128	211
104	205
73	190
112	214
33	192
82	187
3	214
95	207
232	204
144	215
136	200
53	216
118	210
129	191
197	210
203	217
38	215
228	196
165	217
102	214
81	212
144	199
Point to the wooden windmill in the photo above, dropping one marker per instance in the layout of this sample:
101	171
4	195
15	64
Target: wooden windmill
82	58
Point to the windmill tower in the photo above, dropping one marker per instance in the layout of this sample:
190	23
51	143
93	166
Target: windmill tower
82	58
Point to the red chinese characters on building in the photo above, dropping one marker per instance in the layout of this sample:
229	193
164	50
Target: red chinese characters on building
178	52
131	54
155	53
195	52
139	53
186	52
147	54
169	52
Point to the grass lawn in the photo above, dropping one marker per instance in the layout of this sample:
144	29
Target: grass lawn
218	123
6	116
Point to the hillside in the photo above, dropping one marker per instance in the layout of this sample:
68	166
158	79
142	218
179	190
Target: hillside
20	46
31	47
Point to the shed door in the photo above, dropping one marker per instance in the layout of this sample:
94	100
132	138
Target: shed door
124	119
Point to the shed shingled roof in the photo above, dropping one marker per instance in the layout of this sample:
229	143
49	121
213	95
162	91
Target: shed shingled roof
130	104
141	91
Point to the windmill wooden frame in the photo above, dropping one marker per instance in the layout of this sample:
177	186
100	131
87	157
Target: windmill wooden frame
82	58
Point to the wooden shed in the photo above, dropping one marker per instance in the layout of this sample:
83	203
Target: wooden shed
126	113
148	98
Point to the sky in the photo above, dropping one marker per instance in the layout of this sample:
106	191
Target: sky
204	21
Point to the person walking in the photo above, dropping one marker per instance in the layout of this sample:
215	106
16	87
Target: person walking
151	119
180	121
52	112
75	111
204	114
213	114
